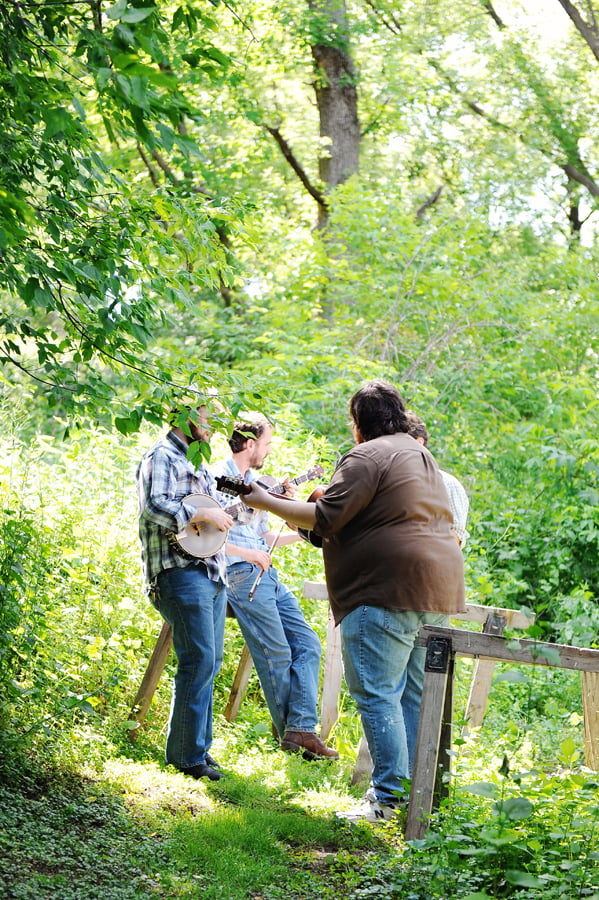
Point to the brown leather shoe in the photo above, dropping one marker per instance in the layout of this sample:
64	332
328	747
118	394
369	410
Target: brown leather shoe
308	743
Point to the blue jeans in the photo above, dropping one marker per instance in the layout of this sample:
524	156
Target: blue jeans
194	606
384	672
285	650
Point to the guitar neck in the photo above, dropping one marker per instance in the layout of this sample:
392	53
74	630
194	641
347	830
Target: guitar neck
236	507
299	479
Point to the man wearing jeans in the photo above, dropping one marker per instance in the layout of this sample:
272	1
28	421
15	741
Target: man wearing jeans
189	593
285	649
391	565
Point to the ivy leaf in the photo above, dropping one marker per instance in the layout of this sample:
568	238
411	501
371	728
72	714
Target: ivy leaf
515	808
482	789
523	879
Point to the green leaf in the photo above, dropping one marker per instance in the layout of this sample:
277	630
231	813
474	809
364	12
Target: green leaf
57	121
523	879
128	424
215	54
116	11
137	14
515	808
482	789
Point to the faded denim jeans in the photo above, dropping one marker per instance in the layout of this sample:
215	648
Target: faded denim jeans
285	649
384	672
194	606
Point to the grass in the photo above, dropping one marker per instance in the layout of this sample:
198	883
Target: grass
107	821
135	830
128	828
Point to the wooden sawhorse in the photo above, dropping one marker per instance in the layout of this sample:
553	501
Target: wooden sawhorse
494	620
153	673
432	758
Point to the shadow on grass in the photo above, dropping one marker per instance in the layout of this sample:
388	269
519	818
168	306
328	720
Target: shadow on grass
139	831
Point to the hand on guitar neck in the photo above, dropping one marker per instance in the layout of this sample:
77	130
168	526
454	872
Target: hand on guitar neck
297	512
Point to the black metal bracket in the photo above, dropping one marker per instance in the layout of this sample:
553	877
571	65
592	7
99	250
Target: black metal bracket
495	624
437	655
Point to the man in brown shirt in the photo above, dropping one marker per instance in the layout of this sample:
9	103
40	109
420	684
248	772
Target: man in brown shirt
391	564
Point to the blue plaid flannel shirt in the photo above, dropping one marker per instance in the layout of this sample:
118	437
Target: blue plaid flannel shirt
164	478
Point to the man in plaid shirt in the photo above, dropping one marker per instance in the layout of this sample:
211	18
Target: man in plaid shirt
190	594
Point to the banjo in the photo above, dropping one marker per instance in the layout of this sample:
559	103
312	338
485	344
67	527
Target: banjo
200	539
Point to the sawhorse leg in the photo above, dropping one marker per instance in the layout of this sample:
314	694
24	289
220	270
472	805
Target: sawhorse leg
149	682
431	756
363	767
482	677
590	705
331	686
240	682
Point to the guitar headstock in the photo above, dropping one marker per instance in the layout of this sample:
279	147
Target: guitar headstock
226	484
314	472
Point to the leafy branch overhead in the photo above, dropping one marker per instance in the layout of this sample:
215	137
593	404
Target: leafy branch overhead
189	190
83	252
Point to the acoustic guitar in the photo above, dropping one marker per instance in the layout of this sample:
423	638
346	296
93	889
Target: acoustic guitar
200	539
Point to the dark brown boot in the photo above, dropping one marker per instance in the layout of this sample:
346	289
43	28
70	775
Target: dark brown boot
308	744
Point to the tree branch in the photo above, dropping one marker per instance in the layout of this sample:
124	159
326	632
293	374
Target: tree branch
430	202
493	13
390	21
299	171
590	33
573	168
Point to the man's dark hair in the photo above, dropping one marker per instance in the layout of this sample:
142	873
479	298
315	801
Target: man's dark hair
377	409
251	425
417	428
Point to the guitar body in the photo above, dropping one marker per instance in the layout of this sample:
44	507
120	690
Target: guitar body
199	540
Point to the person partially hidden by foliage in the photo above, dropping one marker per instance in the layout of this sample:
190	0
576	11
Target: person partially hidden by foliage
190	594
391	565
458	498
285	649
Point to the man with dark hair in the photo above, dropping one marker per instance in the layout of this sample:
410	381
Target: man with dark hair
391	565
458	498
285	649
190	594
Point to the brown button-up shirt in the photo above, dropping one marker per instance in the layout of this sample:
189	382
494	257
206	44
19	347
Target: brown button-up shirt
385	522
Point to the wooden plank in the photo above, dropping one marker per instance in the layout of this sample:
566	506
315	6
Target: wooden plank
441	788
536	653
240	683
363	767
331	686
427	754
149	682
590	705
480	614
317	590
480	686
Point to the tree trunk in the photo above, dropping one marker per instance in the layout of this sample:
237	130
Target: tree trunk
337	101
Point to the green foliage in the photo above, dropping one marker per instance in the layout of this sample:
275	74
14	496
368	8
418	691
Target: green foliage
514	844
72	843
84	275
